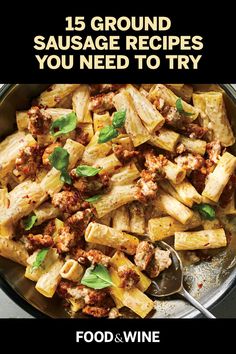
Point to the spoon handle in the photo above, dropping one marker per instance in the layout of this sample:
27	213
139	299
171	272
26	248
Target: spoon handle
195	303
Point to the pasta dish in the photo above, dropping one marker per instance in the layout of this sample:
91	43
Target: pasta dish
96	174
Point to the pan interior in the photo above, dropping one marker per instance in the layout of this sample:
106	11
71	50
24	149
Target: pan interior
206	281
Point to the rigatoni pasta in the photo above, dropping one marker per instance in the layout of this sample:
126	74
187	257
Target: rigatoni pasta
13	250
151	117
119	259
9	149
133	124
163	227
55	94
162	92
120	219
48	282
137	218
80	101
213	112
195	146
204	239
108	236
118	196
72	270
218	179
165	202
165	139
133	298
125	175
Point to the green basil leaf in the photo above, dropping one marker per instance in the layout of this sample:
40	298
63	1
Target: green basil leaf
93	198
29	222
206	211
119	119
40	258
87	171
65	177
64	124
97	277
107	133
59	158
180	109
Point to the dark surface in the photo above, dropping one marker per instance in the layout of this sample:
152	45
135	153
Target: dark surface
227	308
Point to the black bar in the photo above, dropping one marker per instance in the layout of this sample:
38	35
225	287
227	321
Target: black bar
217	28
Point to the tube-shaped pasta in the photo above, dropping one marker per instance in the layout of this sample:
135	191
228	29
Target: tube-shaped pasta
214	117
218	179
118	196
48	282
33	273
137	218
150	116
108	163
94	150
125	141
46	211
23	200
58	225
9	149
161	91
119	259
173	172
120	219
125	175
196	146
13	250
133	123
22	119
187	193
165	139
182	90
52	183
168	188
173	207
108	236
101	120
72	270
56	113
196	240
80	101
55	94
132	298
160	228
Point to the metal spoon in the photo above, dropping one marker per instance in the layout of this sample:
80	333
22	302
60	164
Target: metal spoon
170	281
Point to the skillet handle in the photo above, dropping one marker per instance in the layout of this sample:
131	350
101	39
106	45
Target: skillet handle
195	303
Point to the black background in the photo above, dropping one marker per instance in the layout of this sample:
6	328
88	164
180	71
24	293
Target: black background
176	335
215	23
19	24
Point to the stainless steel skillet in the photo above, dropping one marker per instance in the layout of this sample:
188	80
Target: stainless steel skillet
208	282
